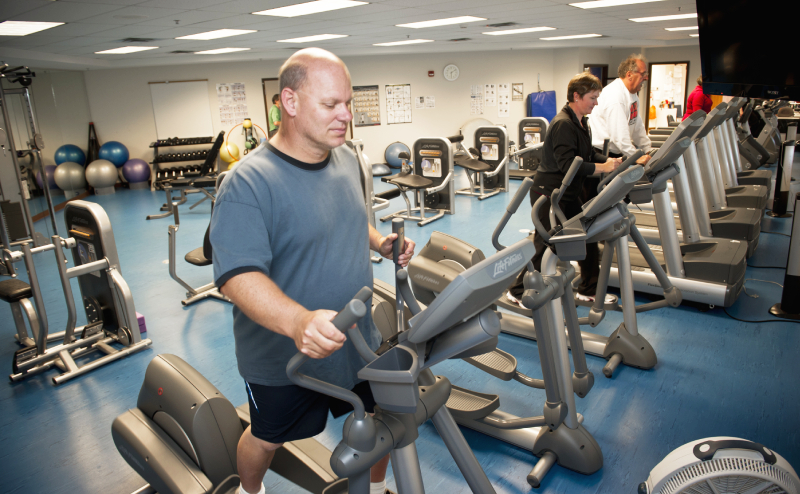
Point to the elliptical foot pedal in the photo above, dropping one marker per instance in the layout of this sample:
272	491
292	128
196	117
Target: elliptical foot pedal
498	363
21	356
465	404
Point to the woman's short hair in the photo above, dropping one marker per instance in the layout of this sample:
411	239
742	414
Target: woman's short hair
699	80
582	84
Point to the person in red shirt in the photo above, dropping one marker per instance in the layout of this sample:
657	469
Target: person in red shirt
697	100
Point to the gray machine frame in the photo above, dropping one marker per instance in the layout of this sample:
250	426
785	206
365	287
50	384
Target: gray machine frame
372	202
478	186
529	154
107	299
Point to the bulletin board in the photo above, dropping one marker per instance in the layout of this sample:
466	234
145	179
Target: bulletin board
181	109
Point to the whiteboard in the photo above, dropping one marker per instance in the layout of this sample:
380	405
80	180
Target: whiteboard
181	109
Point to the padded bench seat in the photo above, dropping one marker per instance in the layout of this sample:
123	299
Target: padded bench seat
408	180
472	165
14	290
197	258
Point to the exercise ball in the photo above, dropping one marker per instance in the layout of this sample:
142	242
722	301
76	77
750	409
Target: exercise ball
114	152
71	153
229	152
136	172
70	176
102	175
232	164
50	172
392	150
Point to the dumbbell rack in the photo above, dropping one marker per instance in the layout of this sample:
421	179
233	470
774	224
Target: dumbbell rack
159	160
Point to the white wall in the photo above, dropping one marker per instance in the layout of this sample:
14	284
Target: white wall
122	110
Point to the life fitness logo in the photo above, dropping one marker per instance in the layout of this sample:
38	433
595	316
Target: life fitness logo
634	112
503	265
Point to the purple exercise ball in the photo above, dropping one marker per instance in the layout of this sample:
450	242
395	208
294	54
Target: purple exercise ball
50	171
136	170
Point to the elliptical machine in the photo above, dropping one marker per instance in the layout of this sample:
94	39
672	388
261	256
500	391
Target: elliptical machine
182	436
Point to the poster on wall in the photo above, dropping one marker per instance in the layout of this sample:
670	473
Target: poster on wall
232	102
366	106
398	104
503	99
476	100
490	94
517	91
424	102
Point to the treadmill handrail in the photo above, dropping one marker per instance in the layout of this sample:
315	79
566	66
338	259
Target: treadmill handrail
621	168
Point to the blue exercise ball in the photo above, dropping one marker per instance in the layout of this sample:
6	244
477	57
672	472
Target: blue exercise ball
392	150
115	152
71	153
136	170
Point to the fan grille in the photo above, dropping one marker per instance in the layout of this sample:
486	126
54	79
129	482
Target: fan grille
730	475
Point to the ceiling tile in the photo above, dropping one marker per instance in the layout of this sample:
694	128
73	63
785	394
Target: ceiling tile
65	12
11	8
132	15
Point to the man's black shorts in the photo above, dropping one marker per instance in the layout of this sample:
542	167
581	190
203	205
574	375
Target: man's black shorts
286	413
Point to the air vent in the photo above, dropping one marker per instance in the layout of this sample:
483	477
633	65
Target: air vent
181	52
137	40
460	39
502	24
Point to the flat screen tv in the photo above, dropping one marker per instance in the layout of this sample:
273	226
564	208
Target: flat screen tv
740	56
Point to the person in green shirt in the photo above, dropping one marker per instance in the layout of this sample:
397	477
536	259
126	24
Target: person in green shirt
274	118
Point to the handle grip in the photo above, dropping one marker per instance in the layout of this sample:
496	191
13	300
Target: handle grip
705	450
352	312
512	207
555	198
540	229
621	168
455	139
400	242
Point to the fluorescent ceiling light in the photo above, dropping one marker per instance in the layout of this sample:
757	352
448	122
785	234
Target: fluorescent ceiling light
442	22
694	35
126	49
406	42
308	39
574	36
310	8
609	3
520	31
664	18
220	50
219	33
24	28
687	28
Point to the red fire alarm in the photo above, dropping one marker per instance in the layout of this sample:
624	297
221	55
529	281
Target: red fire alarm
430	73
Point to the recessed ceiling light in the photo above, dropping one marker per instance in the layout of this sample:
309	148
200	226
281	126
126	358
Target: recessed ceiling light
24	28
687	28
310	8
126	49
694	35
609	3
308	39
406	42
220	50
664	18
520	31
574	36
442	22
219	33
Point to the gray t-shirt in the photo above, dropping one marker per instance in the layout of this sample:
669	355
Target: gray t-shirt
305	226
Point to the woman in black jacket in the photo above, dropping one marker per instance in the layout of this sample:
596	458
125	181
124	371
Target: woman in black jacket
567	137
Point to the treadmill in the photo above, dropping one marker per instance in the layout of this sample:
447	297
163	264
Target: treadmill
705	271
745	175
710	220
531	146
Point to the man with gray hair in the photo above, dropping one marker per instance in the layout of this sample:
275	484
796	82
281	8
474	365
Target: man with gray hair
617	116
291	246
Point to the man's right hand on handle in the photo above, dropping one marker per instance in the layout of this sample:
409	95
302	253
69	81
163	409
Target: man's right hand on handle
316	336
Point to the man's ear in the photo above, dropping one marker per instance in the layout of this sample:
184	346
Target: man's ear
289	101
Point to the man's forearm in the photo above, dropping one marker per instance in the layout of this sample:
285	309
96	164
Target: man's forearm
374	239
262	301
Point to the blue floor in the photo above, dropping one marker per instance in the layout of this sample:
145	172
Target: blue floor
715	375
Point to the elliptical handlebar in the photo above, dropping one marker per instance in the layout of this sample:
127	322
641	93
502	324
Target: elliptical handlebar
537	224
352	312
555	197
512	207
621	168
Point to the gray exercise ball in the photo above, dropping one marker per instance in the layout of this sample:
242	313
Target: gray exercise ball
70	176
102	175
